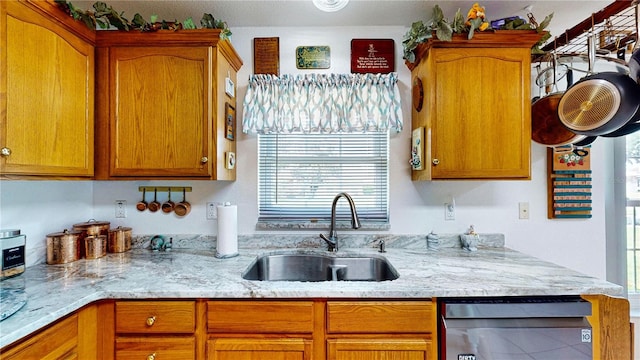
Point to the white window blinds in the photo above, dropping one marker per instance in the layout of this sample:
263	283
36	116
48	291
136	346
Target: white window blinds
300	174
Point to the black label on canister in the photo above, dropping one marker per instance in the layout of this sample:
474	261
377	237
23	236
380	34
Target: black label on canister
12	257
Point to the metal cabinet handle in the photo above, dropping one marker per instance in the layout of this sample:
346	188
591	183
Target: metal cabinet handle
5	151
435	161
151	356
204	160
151	320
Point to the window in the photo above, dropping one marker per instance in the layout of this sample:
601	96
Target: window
300	174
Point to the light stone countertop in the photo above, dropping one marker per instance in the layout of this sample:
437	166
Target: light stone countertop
54	291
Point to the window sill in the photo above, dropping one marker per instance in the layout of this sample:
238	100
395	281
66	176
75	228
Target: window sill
308	225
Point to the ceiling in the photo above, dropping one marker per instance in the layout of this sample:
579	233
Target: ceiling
296	13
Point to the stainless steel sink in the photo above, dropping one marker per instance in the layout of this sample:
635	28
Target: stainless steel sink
319	267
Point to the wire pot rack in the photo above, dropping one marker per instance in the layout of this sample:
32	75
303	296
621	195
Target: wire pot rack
614	30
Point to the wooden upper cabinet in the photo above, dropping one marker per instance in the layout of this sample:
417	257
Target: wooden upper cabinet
161	104
476	106
46	94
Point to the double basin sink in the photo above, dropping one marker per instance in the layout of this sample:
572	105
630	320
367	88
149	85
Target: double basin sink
319	267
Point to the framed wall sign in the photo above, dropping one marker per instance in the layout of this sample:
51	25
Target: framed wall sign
372	56
266	55
230	119
313	57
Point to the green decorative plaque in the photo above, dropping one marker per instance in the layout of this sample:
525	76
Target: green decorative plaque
313	57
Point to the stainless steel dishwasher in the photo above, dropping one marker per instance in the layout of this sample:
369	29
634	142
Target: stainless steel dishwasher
515	328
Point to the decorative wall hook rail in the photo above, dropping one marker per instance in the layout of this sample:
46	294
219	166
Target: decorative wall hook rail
151	189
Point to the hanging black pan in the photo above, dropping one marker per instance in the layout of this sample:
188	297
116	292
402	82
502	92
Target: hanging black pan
634	66
599	104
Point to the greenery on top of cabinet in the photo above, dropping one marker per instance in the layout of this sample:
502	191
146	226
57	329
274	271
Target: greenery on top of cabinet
105	17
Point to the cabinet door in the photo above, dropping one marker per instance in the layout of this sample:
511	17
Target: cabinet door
160	348
161	116
378	349
482	125
57	342
46	121
477	113
259	349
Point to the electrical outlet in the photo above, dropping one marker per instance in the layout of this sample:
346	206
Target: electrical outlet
121	208
449	211
212	211
523	210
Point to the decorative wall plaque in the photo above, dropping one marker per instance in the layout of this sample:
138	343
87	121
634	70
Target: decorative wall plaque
266	55
313	57
372	56
230	121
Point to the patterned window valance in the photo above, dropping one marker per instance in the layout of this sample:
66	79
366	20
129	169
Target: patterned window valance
322	103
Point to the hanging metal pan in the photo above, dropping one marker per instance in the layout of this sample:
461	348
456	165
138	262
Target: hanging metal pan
599	104
546	128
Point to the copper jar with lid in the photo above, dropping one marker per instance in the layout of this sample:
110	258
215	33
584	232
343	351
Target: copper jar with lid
91	228
119	240
63	247
95	246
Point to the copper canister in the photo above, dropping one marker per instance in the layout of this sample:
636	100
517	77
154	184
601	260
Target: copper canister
91	227
95	246
63	247
119	240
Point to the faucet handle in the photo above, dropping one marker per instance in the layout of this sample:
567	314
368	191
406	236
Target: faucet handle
332	242
382	247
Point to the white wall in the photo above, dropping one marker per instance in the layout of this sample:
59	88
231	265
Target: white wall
416	207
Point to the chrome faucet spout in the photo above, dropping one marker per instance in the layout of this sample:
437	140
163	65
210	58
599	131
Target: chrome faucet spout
332	239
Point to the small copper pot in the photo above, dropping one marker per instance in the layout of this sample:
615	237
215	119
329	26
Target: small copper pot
154	205
183	208
119	240
168	205
63	247
142	204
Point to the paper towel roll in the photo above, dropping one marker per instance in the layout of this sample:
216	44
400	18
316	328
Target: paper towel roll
227	242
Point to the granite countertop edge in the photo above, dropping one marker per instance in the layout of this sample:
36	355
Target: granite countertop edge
54	291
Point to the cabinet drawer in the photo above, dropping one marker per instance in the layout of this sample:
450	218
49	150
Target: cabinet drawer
380	317
56	342
172	317
161	348
260	317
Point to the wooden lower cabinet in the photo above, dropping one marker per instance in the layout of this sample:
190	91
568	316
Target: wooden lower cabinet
381	330
259	349
265	330
73	337
379	349
155	330
273	330
155	348
59	341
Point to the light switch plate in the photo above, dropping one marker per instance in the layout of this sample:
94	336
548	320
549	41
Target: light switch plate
229	87
523	210
230	161
121	208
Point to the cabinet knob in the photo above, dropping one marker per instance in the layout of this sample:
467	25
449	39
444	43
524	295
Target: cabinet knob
435	161
151	320
204	160
5	151
151	356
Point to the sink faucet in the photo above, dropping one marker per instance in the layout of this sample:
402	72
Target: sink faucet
332	240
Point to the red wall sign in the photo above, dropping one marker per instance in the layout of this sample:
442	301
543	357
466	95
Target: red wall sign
372	56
